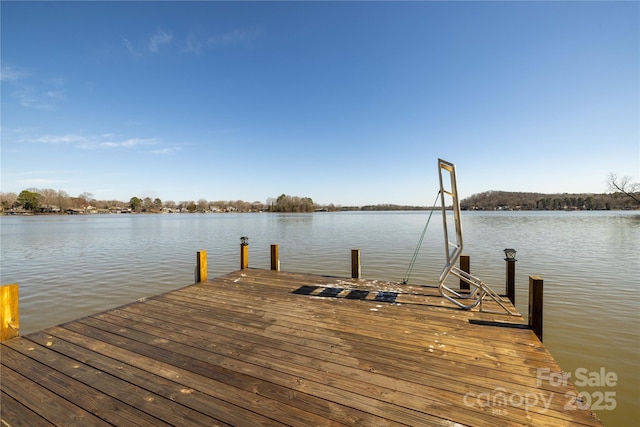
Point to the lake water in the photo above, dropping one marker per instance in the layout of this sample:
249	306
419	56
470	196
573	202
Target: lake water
73	266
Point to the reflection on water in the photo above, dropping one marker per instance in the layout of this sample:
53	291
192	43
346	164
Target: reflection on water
72	266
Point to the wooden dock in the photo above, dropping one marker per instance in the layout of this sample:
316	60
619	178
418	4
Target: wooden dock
261	347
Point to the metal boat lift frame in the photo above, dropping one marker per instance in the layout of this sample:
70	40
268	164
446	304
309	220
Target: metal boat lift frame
453	249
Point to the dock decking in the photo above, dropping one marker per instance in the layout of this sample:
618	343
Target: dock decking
260	347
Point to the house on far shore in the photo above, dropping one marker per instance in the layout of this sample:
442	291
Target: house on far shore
17	211
52	209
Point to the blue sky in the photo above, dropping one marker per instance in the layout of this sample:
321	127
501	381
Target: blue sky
349	103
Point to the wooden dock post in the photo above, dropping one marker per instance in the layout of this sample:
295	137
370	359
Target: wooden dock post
511	281
244	253
511	274
201	266
356	270
9	315
465	265
536	287
50	376
275	260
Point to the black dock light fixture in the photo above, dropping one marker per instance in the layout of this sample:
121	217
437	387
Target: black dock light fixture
244	241
510	254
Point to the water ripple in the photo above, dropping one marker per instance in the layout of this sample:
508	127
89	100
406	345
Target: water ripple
69	266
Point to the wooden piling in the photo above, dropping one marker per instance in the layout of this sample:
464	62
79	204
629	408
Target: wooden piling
9	315
356	270
465	265
536	287
201	266
244	256
511	281
273	325
275	260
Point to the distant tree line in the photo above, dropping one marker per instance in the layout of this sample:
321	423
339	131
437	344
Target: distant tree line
504	200
48	201
286	203
624	195
43	200
391	207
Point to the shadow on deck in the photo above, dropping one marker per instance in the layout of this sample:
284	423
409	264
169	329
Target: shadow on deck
260	347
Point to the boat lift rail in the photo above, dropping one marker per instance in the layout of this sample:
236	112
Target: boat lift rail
478	290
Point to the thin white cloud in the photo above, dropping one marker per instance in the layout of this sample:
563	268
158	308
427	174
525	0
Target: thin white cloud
39	94
194	44
54	94
41	181
127	143
8	74
60	139
155	43
132	50
105	141
159	39
30	97
39	172
235	37
166	151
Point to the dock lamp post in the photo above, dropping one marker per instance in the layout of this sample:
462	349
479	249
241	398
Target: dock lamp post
244	253
511	274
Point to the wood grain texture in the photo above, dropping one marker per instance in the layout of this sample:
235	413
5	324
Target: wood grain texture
263	347
9	314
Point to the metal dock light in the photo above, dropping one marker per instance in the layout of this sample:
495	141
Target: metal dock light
511	274
510	254
244	253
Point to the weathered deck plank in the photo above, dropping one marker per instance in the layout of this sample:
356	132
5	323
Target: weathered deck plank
23	416
54	408
244	349
129	393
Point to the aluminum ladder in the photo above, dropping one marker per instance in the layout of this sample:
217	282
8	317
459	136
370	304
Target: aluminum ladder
478	290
